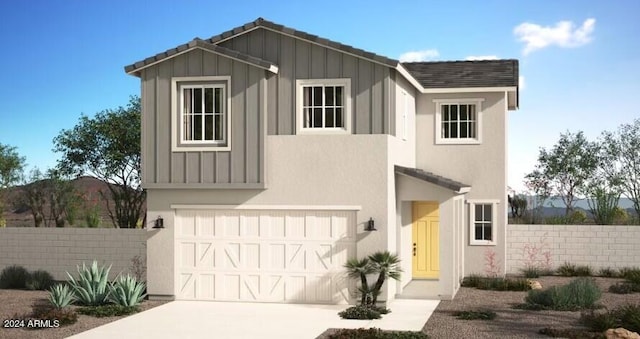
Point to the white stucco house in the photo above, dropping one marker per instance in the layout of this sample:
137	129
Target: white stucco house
270	154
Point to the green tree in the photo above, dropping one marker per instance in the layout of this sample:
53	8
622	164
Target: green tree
108	147
34	196
565	169
11	167
62	196
603	188
624	146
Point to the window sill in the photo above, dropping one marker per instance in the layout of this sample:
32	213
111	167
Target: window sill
482	243
458	142
201	148
321	131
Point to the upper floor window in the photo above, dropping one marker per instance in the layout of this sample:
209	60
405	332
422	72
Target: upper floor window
201	113
458	121
482	222
323	106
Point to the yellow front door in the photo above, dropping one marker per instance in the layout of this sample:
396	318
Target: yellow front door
426	259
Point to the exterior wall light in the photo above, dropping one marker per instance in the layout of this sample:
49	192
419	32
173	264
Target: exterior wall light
159	223
370	226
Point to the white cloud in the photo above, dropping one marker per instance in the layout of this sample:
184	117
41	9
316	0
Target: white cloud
563	34
481	57
424	55
521	83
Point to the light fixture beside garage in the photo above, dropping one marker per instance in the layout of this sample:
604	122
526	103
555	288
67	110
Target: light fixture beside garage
370	226
159	223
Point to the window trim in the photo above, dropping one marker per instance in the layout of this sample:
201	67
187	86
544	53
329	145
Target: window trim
346	83
179	145
472	216
438	121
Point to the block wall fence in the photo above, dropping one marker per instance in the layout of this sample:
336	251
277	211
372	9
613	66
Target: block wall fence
58	250
598	246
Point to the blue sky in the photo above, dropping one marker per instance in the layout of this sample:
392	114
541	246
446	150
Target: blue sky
579	59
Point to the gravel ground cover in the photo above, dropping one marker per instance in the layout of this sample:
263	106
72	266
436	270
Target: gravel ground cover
510	322
17	303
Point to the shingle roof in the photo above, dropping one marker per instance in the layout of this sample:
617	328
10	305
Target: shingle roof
432	178
260	22
197	42
457	74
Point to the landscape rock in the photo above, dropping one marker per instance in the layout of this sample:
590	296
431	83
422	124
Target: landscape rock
535	285
621	333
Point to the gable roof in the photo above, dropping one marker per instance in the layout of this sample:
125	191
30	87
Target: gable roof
260	22
435	179
204	45
464	74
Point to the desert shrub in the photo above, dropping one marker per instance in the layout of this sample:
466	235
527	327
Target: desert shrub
624	288
579	294
607	272
359	312
504	284
625	272
65	316
91	287
109	310
571	270
127	291
61	296
14	277
375	333
570	333
627	316
632	276
476	315
40	280
530	272
472	280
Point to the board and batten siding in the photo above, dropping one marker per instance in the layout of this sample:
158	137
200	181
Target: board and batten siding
372	84
243	165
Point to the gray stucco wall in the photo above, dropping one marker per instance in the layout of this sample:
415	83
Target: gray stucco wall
244	164
372	84
302	170
482	166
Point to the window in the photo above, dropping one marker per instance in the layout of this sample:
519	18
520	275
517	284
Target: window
201	107
323	106
203	115
482	222
458	121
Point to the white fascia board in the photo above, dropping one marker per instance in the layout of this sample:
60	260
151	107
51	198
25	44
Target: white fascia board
469	89
403	71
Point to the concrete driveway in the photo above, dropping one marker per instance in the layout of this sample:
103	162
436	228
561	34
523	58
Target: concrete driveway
205	319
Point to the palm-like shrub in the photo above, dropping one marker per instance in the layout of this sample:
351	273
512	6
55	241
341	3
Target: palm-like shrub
61	296
92	286
127	291
387	267
358	269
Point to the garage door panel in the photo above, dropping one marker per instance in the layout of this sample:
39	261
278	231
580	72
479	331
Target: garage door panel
264	256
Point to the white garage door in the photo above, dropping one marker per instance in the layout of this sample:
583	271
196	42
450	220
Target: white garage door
264	255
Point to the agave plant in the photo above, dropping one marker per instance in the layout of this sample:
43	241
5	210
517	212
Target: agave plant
358	269
127	291
61	296
91	287
387	267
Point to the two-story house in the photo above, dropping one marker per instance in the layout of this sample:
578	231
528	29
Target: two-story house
271	156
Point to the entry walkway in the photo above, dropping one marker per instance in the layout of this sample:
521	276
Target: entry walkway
202	319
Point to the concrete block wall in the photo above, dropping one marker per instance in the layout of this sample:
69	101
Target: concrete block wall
58	250
598	246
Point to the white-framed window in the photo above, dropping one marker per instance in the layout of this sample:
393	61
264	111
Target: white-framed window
482	222
200	115
323	106
458	121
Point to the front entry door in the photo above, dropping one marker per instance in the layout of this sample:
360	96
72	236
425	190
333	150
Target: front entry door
426	239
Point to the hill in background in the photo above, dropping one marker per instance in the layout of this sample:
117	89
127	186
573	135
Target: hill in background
86	186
